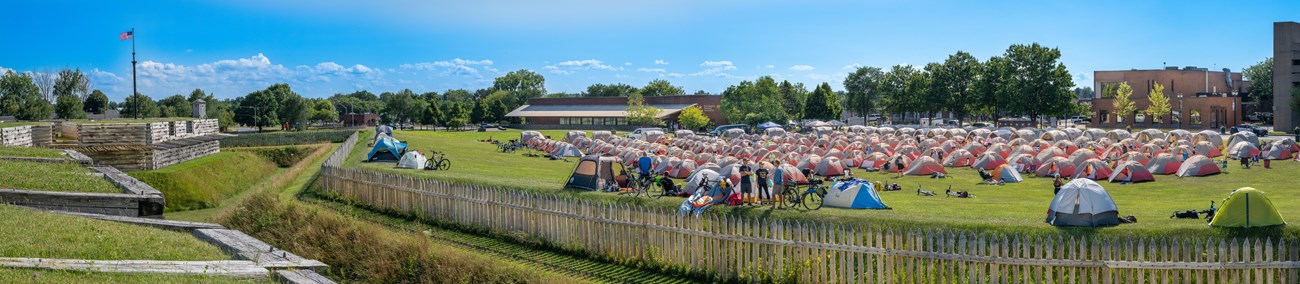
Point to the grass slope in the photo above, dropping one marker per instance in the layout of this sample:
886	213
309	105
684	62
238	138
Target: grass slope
22	275
31	233
30	152
1012	208
16	124
65	177
205	182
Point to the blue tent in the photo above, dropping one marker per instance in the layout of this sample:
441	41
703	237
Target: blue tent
387	149
767	125
856	194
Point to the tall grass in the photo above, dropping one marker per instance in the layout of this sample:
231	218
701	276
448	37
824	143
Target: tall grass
65	177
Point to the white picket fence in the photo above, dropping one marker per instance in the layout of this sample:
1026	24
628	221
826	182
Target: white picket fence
754	248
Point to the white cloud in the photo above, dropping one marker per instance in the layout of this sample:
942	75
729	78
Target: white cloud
236	77
5	70
588	64
821	77
455	66
660	62
98	76
550	67
561	72
769	66
652	70
801	68
627	63
672	75
716	68
1082	79
853	66
621	76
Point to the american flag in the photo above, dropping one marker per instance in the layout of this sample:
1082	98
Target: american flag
126	35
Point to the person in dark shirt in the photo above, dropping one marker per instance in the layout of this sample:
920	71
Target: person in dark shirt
763	194
745	184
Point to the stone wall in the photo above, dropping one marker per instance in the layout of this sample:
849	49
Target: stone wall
18	136
163	157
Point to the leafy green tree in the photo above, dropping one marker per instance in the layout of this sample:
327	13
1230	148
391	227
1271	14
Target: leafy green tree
930	90
1040	84
69	89
753	102
611	90
1083	93
791	97
174	106
404	106
1083	109
1260	76
1159	107
992	91
861	90
823	104
295	111
433	114
68	106
522	85
95	102
692	118
957	80
457	116
479	112
894	90
20	97
140	106
261	108
1124	106
660	87
498	111
638	113
461	95
323	111
562	95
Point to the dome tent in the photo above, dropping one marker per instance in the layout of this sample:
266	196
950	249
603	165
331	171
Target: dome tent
1247	207
1197	166
413	160
594	172
386	149
1082	203
1006	173
1130	171
924	166
854	194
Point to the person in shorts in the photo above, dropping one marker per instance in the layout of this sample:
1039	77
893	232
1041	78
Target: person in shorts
746	183
764	195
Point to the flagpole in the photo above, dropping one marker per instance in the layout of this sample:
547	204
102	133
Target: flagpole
135	106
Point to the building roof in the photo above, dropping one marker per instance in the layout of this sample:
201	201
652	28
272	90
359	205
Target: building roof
589	110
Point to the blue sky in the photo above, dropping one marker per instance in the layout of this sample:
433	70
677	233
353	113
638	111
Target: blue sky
324	47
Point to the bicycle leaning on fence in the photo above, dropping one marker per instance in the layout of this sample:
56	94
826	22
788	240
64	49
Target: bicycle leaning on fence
437	161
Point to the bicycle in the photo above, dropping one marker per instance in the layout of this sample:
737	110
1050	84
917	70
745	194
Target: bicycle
641	185
440	163
810	199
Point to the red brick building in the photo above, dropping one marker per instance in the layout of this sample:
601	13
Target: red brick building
608	112
1199	98
359	119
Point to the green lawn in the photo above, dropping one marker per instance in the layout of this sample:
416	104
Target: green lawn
67	177
31	233
30	152
1011	208
25	123
205	182
23	275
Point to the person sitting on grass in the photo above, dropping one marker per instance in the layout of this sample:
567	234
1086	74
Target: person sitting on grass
668	186
986	176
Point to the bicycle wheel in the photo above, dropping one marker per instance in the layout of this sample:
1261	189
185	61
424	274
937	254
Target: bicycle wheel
444	165
791	197
653	190
812	200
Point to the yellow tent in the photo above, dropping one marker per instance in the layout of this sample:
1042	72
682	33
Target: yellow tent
1247	207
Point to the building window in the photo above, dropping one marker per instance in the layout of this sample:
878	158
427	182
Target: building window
586	121
1196	117
1104	116
1176	118
620	121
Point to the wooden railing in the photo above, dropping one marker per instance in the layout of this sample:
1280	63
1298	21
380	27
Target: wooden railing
753	248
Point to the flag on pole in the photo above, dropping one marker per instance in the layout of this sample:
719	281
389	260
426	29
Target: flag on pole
126	35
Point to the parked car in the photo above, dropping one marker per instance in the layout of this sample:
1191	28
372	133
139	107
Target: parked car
640	132
1261	132
721	129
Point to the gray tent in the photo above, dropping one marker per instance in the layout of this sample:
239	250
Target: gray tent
1082	203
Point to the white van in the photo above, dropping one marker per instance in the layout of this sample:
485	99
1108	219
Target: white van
639	132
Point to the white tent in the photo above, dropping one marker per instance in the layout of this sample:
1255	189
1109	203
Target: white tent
412	160
1084	203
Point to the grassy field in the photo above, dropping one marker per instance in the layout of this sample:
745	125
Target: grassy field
205	182
21	275
26	123
1013	208
66	177
31	233
30	152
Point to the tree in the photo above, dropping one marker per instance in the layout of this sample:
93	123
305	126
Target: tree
68	106
611	90
174	106
498	111
791	98
294	111
561	95
957	79
640	114
692	118
894	90
479	113
861	90
1159	107
1084	92
261	108
522	85
823	104
1260	76
456	116
460	95
992	91
404	106
1123	105
1083	109
433	114
140	106
753	102
45	82
930	90
95	102
660	87
323	111
20	97
1039	84
68	91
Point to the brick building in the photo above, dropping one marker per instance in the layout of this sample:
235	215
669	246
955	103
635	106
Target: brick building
603	113
1199	98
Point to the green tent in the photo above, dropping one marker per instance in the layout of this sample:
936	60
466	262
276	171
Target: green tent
1247	207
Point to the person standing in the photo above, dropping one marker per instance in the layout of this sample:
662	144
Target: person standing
778	186
763	194
746	185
